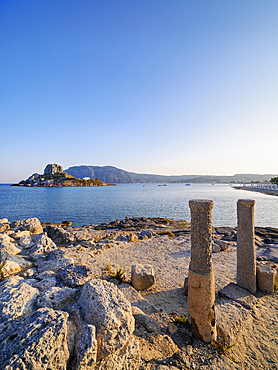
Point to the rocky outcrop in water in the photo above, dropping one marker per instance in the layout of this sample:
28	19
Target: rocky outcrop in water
54	176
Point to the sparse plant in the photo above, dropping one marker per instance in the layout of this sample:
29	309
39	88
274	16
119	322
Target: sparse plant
220	344
119	274
182	320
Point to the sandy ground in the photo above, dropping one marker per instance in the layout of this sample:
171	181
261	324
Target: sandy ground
257	343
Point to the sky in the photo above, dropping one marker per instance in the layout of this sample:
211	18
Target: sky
148	86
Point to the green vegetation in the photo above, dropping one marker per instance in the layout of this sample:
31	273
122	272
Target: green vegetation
182	320
119	274
274	180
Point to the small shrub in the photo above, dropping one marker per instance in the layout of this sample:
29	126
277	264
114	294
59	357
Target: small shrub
119	274
182	320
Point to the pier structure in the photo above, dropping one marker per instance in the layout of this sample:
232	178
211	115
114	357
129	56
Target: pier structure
246	256
201	289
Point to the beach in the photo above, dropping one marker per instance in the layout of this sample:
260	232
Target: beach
165	245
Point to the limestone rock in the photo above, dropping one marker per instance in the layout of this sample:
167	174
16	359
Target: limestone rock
104	306
265	278
86	348
126	358
215	247
46	275
239	295
146	233
51	169
224	245
142	276
157	347
9	247
4	226
46	284
25	241
16	298
74	276
37	342
147	322
55	260
56	297
32	225
42	247
13	264
132	237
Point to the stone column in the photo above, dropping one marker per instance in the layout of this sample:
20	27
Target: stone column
201	290
246	256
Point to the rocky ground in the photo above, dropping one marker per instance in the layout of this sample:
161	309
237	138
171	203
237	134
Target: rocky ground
61	305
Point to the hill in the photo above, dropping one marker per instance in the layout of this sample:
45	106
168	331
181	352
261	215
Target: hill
110	174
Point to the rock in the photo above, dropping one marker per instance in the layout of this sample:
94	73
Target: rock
265	278
55	260
46	274
74	276
239	295
13	264
46	284
126	358
51	169
42	247
18	234
146	233
104	306
16	298
142	276
157	347
4	226
224	245
9	247
132	237
147	322
269	254
215	247
27	273
86	348
56	298
32	225
37	342
25	241
4	220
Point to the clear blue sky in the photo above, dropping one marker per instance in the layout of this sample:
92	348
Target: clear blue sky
150	86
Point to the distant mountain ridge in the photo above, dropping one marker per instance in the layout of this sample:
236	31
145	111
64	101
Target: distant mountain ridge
114	175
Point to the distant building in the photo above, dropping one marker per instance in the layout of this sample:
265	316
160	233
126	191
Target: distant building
86	178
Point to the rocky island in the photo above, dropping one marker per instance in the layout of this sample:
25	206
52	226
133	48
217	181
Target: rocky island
54	176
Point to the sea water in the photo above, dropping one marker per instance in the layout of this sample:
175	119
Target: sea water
94	205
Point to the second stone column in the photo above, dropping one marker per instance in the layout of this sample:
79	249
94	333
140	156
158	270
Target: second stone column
201	290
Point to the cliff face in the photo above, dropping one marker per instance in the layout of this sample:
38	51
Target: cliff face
55	177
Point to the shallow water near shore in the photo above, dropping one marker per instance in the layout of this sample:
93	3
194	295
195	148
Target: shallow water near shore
94	205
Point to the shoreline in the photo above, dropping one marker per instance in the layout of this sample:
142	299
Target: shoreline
258	190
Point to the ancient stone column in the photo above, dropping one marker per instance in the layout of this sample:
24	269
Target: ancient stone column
246	256
201	290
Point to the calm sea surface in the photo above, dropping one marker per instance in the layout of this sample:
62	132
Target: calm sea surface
94	205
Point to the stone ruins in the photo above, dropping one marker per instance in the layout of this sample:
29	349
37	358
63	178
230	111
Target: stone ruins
201	290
